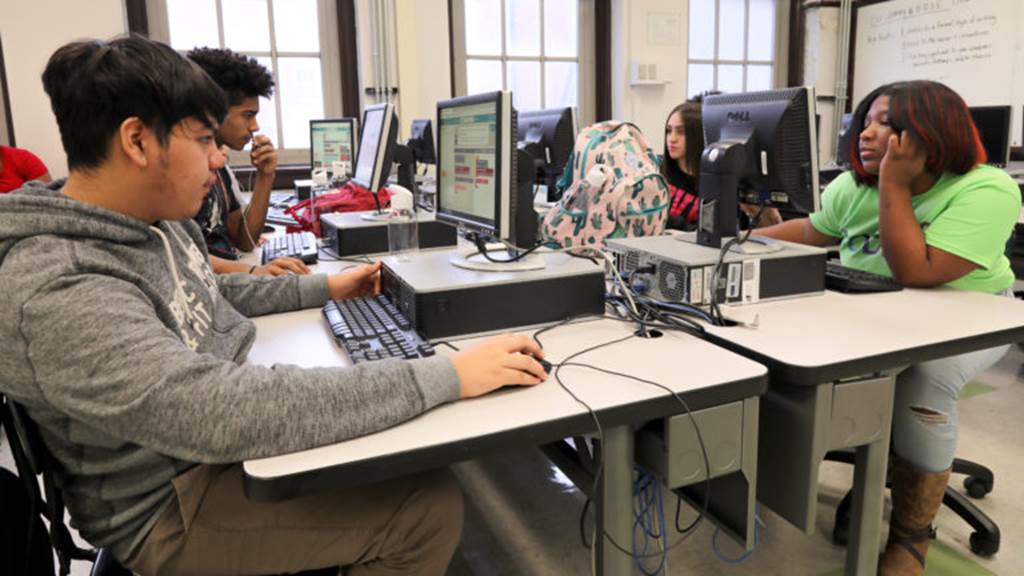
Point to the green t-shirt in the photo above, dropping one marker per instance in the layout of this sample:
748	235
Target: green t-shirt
969	215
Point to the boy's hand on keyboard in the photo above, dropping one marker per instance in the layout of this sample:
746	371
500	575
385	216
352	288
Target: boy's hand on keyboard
502	360
354	282
281	266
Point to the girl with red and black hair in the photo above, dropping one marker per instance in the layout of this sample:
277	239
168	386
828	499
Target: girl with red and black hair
921	206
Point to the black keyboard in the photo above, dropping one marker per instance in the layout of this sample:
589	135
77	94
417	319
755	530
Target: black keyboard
845	279
301	245
372	328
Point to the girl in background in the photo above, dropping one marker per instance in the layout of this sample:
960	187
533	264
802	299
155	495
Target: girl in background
680	164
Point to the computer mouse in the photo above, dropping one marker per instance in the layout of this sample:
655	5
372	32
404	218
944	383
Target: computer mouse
544	364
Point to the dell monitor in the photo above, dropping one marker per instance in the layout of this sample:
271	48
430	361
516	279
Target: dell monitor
548	136
421	142
762	149
332	140
993	123
376	148
478	166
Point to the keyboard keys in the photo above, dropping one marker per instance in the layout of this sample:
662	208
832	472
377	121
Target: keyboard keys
373	328
301	245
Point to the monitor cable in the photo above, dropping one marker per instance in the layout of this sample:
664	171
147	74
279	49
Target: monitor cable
738	239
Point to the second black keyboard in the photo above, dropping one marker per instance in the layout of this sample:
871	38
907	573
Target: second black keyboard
301	245
372	328
845	279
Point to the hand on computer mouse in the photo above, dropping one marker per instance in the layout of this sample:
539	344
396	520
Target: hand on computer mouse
508	359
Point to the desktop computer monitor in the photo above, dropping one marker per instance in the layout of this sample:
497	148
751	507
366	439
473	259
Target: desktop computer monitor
421	142
761	149
548	136
376	147
844	137
332	140
478	167
993	123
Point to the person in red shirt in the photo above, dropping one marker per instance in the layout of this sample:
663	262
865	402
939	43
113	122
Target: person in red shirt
18	166
680	165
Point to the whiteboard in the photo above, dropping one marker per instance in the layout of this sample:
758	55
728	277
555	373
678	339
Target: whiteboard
970	45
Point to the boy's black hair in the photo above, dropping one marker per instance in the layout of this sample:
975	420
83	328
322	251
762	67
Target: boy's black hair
94	86
238	75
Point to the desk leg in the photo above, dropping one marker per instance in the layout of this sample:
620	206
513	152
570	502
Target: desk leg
870	465
866	509
615	502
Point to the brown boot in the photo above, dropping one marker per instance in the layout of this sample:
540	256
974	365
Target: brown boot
916	497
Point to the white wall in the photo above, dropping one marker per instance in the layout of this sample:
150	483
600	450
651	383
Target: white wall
821	39
424	72
647	106
32	31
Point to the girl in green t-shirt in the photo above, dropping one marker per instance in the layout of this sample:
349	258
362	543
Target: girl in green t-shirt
919	205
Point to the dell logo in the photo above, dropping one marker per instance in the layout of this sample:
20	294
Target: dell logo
743	116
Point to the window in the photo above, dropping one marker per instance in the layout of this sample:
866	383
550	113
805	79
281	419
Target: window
538	49
295	39
732	45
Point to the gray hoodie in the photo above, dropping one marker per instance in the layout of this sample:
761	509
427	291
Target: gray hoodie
130	355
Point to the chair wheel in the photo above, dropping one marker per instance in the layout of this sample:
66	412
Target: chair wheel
983	546
841	533
976	487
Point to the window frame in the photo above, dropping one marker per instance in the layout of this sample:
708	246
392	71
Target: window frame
330	68
779	47
584	60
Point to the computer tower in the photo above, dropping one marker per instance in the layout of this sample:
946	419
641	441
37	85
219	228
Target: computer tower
443	300
676	269
349	234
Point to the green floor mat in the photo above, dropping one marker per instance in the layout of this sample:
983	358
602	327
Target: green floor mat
975	388
943	561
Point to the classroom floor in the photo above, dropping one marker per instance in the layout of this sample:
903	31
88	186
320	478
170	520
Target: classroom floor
522	517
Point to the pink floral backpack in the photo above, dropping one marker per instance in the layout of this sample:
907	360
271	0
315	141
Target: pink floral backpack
612	189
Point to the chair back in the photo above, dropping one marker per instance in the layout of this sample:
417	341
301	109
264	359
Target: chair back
33	459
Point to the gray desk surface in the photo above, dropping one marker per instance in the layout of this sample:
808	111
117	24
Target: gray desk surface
509	417
825	337
808	344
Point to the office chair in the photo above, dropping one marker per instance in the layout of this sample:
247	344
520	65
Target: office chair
979	482
32	459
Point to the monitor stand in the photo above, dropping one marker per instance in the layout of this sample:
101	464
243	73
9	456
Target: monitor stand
753	245
376	216
472	259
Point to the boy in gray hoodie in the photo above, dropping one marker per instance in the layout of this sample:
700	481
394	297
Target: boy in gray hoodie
130	354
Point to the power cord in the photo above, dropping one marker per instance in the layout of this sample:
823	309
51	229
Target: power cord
600	467
758	524
738	239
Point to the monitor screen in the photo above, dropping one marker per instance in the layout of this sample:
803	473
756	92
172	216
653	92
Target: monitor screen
376	146
993	123
479	169
468	161
332	140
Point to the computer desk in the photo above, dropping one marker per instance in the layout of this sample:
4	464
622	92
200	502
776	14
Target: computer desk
528	416
832	360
